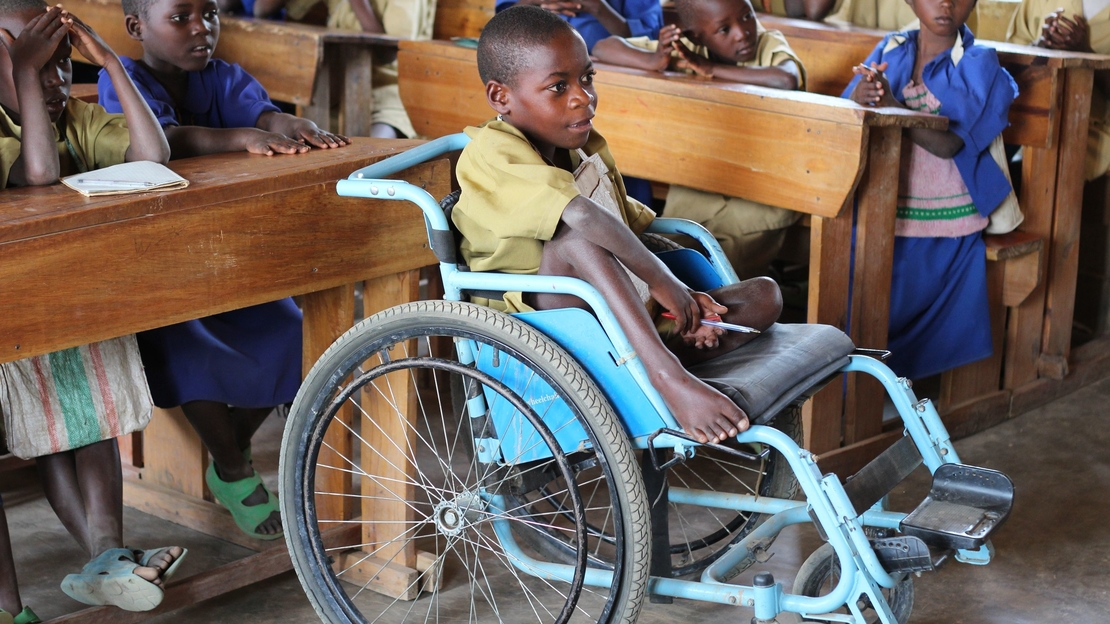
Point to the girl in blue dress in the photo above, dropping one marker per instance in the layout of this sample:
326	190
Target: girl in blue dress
949	184
228	371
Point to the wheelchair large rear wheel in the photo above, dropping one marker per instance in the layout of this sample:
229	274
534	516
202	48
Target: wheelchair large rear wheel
401	504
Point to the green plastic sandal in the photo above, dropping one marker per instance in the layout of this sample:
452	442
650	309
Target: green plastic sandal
231	495
26	616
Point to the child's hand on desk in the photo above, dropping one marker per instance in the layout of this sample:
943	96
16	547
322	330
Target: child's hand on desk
270	143
307	131
88	43
706	337
693	61
1061	33
873	89
36	44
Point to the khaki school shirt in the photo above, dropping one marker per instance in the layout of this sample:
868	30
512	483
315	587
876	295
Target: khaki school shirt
512	198
96	139
773	50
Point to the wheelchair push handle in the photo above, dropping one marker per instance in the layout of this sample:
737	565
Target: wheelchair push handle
414	156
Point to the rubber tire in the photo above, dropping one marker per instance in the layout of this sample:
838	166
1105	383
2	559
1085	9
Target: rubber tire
365	338
818	569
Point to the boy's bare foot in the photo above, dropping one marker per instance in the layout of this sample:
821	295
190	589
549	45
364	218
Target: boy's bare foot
703	412
158	564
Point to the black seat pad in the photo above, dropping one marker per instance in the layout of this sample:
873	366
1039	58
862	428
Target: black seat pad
777	367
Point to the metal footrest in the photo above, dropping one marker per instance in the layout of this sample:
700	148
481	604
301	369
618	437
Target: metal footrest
963	507
902	554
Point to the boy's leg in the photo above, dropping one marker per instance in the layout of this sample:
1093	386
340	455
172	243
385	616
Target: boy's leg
9	585
704	412
58	473
756	303
217	430
246	422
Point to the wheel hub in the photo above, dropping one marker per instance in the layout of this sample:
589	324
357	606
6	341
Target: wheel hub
453	516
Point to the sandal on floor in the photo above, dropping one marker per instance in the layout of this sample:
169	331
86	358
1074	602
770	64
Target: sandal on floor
144	557
110	579
26	616
231	495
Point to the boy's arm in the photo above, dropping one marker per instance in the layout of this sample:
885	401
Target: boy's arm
300	129
784	76
366	16
147	140
813	10
613	21
617	51
37	163
607	231
189	141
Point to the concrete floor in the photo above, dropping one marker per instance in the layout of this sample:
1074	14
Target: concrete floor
1051	565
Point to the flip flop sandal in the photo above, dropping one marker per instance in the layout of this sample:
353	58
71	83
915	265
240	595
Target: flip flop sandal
27	616
109	579
231	494
144	557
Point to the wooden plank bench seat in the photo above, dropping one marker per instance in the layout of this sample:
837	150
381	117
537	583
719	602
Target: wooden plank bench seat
313	67
802	151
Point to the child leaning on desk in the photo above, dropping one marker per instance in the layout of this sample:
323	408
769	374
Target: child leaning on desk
952	184
44	134
722	40
521	211
227	371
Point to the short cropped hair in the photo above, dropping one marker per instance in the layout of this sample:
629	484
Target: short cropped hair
506	39
135	7
8	7
687	11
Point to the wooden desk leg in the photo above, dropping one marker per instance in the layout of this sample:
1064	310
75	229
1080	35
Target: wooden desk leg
358	92
1024	327
1063	260
175	457
319	111
830	247
327	315
875	215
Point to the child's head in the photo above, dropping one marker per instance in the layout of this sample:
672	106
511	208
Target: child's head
56	75
538	76
177	35
728	28
942	17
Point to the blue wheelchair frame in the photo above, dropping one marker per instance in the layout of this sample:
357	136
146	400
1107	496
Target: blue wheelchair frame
643	411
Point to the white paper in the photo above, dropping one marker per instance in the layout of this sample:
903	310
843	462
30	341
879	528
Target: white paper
132	177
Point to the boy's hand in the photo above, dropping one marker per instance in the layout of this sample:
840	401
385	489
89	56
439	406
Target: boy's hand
693	61
706	337
36	44
270	143
873	89
307	131
1061	33
676	299
88	43
669	36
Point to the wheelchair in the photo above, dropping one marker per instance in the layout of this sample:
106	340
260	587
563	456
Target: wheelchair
533	472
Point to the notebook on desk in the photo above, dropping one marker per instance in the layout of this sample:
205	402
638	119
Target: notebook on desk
132	177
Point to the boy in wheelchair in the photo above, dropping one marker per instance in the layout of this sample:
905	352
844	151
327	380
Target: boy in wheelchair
541	194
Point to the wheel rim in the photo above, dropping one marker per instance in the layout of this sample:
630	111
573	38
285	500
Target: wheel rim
444	525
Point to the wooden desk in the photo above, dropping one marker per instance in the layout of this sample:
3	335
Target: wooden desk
1049	119
801	151
313	67
248	229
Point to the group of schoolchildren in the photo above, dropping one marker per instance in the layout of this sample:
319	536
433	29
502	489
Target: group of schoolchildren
521	208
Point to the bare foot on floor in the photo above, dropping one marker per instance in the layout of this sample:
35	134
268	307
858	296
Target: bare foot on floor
157	565
703	412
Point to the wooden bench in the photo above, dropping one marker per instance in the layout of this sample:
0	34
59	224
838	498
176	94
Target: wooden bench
802	151
318	69
1049	119
78	270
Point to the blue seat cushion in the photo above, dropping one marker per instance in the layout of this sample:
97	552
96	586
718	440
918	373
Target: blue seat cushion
778	367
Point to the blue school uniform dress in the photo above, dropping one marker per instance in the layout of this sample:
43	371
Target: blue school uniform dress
644	17
246	358
939	316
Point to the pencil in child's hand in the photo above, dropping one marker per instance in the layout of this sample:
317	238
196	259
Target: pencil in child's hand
715	321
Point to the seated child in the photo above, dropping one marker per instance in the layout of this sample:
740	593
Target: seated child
407	19
249	358
724	41
949	184
1078	26
44	134
521	212
597	19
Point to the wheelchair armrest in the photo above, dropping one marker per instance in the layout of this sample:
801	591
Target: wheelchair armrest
414	156
696	231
